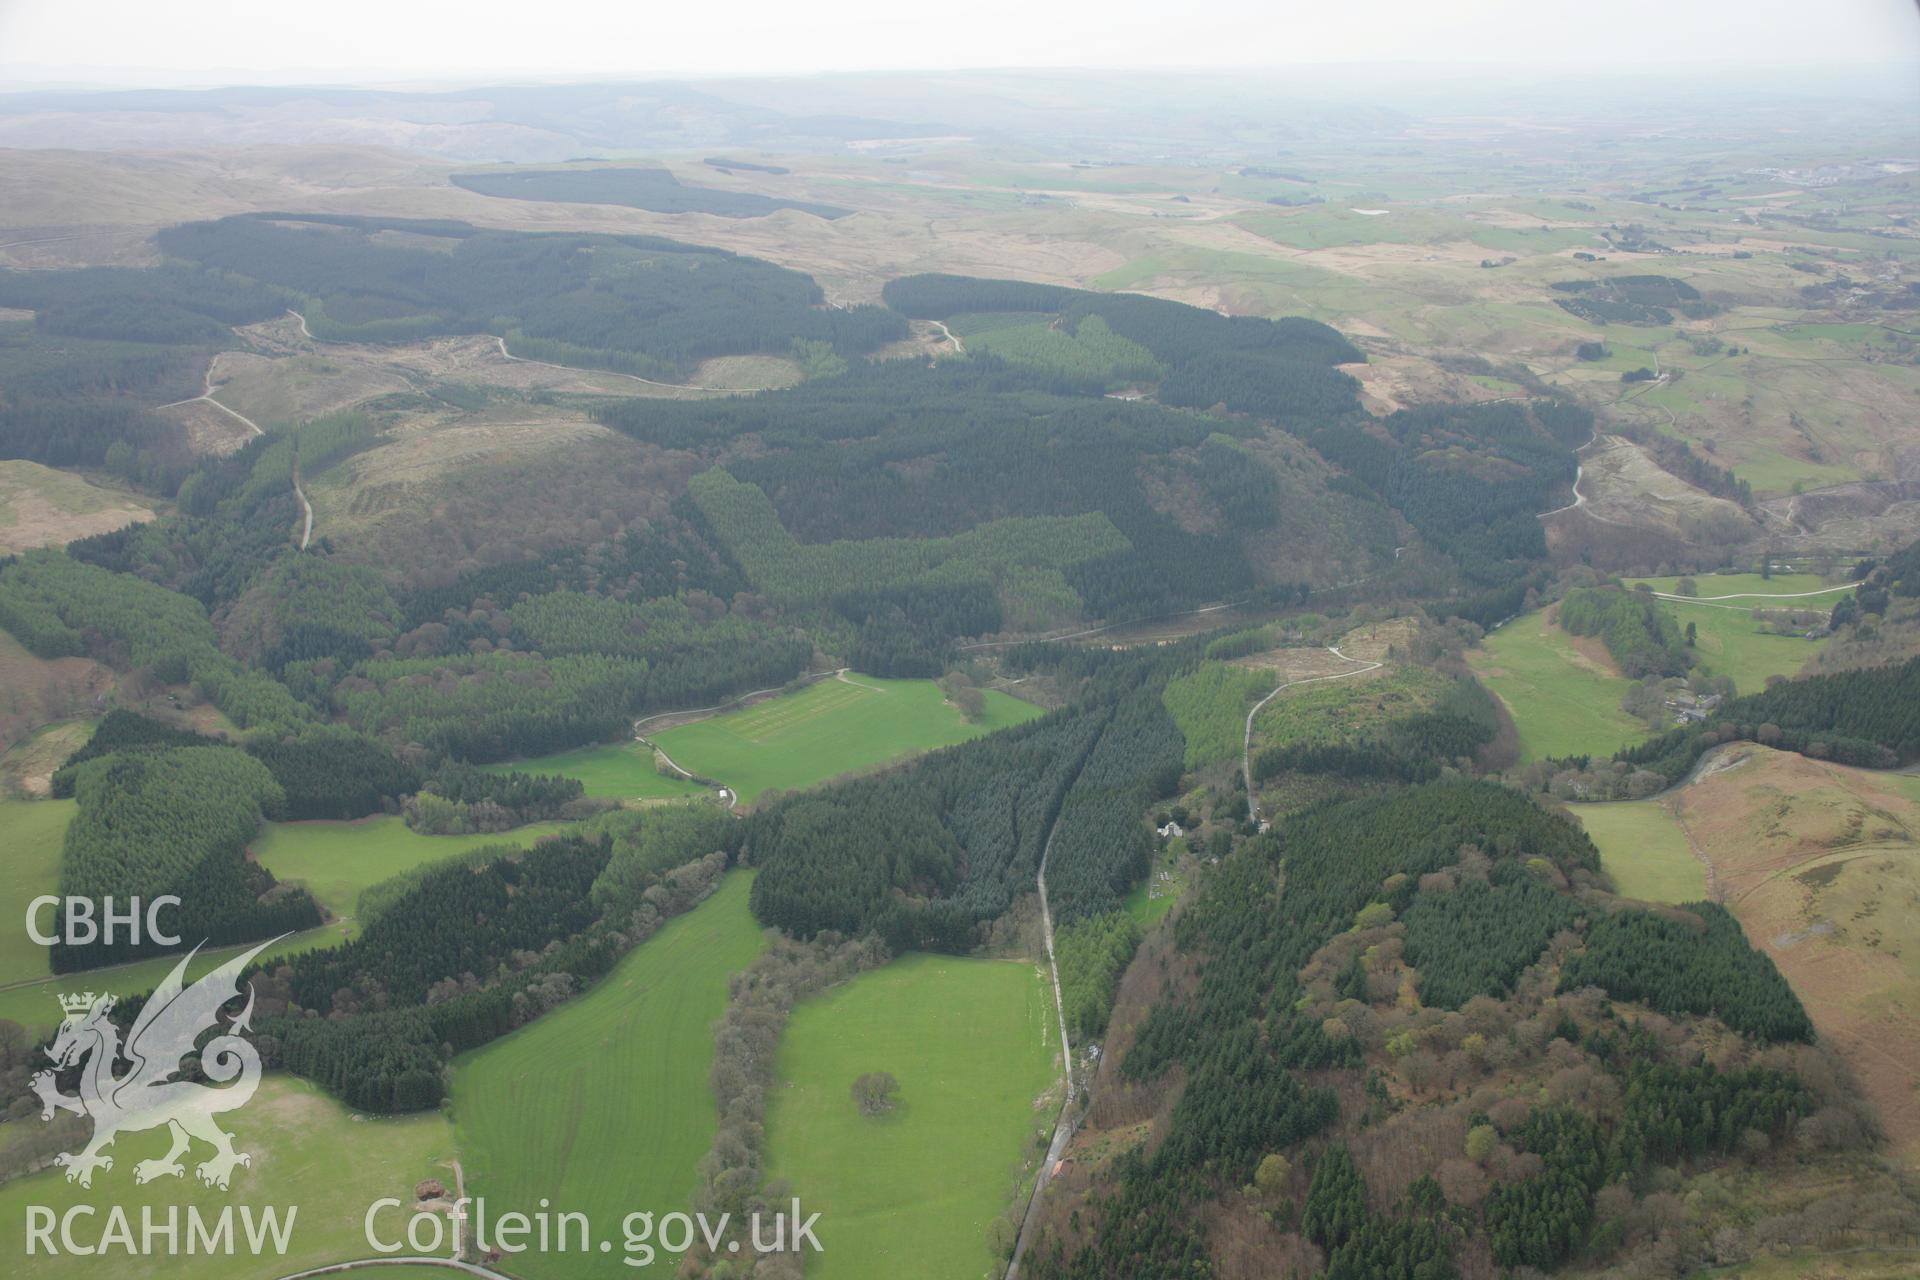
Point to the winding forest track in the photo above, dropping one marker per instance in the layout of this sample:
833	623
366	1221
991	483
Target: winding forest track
1579	499
306	531
1246	748
82	235
1759	595
611	373
1064	1126
1579	474
1054	637
206	395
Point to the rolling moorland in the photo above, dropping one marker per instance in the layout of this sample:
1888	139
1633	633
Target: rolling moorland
1335	706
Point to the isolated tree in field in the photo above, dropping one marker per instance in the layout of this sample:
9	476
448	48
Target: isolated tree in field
874	1093
1686	587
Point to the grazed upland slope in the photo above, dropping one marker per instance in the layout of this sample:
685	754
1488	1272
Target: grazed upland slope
1817	861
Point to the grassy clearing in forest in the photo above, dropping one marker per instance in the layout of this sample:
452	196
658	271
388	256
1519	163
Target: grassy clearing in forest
1643	848
1091	350
336	860
42	507
36	831
610	771
829	728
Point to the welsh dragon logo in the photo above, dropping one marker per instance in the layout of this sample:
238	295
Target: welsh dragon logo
146	1095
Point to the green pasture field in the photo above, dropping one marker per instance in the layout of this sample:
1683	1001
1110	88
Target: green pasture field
1560	704
610	771
917	1191
32	834
1643	848
1845	336
1770	471
1730	643
829	728
32	1002
307	1150
336	860
1741	586
603	1105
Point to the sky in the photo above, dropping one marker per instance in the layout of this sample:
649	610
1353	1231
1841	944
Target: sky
183	42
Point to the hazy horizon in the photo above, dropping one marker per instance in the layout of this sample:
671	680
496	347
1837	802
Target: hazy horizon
114	44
